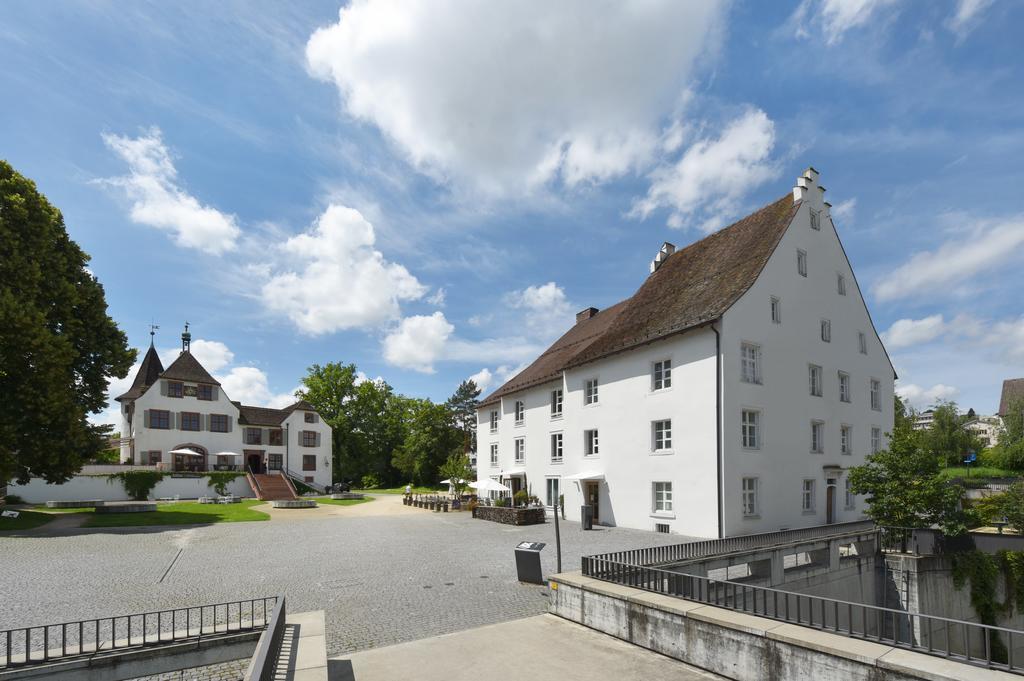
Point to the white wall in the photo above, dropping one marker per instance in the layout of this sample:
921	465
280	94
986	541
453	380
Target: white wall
89	487
784	459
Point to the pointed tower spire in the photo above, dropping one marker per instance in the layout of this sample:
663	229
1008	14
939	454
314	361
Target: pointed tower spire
186	339
152	333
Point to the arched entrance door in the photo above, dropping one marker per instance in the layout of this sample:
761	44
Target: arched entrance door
194	462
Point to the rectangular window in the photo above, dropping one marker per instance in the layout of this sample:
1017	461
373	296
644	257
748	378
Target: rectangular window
276	438
219	423
807	497
844	386
845	440
590	392
751	426
591	446
494	454
175	389
801	263
204	392
750	500
189	420
551	500
776	310
556	448
750	363
840	284
308	438
661	376
520	409
876	439
309	462
816	219
494	421
155	458
817	437
556	403
309	417
862	342
520	450
661	528
662	493
876	394
159	418
826	330
662	435
253	436
814	377
275	462
849	494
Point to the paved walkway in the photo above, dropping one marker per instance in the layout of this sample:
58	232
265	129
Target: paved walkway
538	648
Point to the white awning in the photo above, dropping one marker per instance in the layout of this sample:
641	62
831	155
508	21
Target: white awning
513	472
185	451
235	454
588	475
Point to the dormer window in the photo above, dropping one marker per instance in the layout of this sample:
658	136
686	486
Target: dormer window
204	392
309	417
175	389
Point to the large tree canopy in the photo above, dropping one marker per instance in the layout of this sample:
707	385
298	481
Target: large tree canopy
58	345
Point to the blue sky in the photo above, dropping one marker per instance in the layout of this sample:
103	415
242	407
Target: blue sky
432	192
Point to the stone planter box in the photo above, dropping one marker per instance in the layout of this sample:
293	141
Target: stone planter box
511	516
92	503
294	503
347	495
126	507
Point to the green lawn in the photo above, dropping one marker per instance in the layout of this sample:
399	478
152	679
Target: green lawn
342	502
26	520
182	513
75	509
401	490
978	472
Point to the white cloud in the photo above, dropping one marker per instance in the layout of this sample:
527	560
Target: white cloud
709	181
504	97
834	17
921	397
907	332
339	280
546	309
971	252
1007	338
418	342
844	211
158	200
250	386
488	380
213	355
483	379
438	297
967	17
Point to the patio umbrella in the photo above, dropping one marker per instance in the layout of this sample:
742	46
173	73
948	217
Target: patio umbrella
488	485
235	454
183	450
452	482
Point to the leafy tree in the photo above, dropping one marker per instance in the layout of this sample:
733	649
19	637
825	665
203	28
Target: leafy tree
58	345
457	469
463	407
378	419
902	413
432	438
903	486
329	389
947	438
1013	506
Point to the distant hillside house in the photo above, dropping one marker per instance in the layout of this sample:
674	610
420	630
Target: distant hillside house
729	395
987	428
179	419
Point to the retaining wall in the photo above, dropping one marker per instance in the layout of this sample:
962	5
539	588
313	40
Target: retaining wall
100	487
511	516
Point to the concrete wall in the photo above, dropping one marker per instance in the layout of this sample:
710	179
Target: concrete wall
87	487
740	646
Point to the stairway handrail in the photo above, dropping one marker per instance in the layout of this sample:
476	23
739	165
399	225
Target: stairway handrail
253	481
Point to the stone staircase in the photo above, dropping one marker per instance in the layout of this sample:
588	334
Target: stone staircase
271	487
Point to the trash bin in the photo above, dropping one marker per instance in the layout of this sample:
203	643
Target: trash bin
528	562
587	517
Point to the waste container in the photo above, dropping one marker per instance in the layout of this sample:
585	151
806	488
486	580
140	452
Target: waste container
587	517
528	562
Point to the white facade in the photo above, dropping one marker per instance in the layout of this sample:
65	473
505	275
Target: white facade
987	428
695	485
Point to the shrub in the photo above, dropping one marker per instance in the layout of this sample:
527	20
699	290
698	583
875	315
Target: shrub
13	499
1013	505
522	497
219	480
138	484
108	456
501	501
370	481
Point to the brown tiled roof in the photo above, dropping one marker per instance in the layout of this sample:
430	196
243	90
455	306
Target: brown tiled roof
692	287
188	368
1013	390
265	416
149	372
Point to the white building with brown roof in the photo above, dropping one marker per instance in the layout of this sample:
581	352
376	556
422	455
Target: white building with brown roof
180	419
729	395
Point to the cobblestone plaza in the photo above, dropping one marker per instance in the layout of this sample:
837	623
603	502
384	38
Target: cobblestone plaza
386	574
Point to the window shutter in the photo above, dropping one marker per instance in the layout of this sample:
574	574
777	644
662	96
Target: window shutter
145	418
204	422
316	418
318	439
163	388
213	393
229	419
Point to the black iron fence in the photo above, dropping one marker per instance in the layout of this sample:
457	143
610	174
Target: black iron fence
978	644
53	642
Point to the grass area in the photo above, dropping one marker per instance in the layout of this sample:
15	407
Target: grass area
401	490
74	509
182	513
26	520
343	502
978	472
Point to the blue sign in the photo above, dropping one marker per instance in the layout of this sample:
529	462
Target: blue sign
971	457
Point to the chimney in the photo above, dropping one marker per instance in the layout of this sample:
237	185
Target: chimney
584	315
666	250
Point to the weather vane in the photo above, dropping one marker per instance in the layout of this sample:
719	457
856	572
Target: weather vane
152	331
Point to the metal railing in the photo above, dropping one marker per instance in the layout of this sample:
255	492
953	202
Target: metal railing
660	555
320	489
969	642
263	665
54	642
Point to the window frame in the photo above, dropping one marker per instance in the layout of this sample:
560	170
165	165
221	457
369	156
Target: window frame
591	443
816	380
547	490
661	434
591	392
826	330
557	447
307	438
754	361
494	418
557	403
817	436
213	428
661	374
275	437
252	431
801	262
519	450
179	389
845	387
306	458
875	387
851	502
750	493
876	439
204	392
808	502
661	494
746	427
846	439
862	342
775	305
193	417
494	454
840	283
815	220
519	412
166	419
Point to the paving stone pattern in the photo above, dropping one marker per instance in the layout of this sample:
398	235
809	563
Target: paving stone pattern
381	579
225	671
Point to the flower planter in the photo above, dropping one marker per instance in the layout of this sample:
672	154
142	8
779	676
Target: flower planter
511	516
